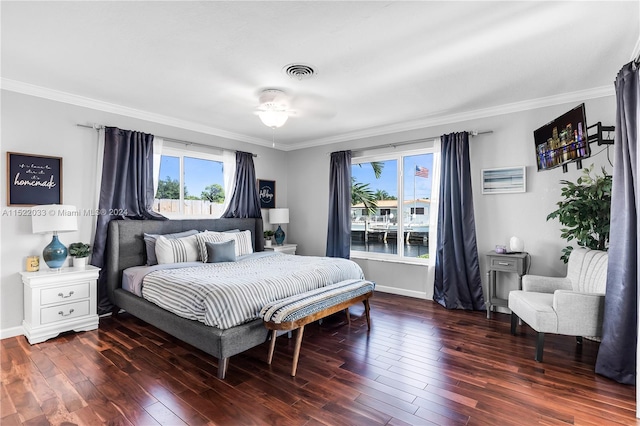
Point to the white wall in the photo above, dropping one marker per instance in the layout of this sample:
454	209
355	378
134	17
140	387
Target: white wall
39	126
498	216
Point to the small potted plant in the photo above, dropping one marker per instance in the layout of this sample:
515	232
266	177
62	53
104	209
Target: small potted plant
80	252
267	237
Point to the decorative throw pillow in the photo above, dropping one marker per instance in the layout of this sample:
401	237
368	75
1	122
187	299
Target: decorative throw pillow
244	243
177	250
242	246
150	243
221	252
208	237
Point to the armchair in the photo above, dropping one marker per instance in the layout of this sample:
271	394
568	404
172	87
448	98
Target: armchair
571	305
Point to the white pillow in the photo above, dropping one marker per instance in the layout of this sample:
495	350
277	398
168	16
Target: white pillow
177	250
244	243
242	239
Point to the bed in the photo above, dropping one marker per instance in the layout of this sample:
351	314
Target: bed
126	249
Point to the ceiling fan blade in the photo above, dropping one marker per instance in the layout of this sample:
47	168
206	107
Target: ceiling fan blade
310	105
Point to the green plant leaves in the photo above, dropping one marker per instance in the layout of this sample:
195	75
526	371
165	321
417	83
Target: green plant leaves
585	211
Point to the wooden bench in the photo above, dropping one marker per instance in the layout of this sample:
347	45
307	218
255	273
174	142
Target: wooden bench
299	310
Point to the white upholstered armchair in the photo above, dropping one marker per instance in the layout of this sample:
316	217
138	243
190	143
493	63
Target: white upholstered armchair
572	305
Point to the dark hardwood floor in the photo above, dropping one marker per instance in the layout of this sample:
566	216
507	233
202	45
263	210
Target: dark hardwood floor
420	364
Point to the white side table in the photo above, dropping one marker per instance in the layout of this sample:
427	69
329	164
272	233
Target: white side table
285	248
59	300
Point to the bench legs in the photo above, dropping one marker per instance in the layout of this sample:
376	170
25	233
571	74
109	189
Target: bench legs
292	326
296	351
272	346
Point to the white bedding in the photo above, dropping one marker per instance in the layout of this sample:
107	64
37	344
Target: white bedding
224	295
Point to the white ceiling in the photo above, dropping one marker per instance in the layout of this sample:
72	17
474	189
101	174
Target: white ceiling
382	66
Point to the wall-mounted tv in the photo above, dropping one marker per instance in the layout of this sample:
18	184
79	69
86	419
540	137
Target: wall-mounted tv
562	140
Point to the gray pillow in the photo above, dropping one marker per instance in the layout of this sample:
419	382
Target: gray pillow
221	252
150	243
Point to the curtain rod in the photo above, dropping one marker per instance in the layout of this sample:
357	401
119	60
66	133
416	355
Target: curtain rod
396	144
101	127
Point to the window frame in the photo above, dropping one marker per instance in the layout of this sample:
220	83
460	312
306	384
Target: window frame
170	151
399	156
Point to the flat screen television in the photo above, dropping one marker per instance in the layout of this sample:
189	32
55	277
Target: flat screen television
562	140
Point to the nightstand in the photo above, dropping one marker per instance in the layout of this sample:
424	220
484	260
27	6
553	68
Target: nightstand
515	263
59	300
285	248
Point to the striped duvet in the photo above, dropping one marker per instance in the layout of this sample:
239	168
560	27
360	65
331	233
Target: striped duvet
224	295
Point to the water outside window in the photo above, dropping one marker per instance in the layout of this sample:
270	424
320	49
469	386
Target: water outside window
383	222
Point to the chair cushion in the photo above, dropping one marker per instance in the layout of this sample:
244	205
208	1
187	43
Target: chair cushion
536	309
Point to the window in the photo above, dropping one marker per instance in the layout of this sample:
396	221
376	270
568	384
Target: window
190	184
391	205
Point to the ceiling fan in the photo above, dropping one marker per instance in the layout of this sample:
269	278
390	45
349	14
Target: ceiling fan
275	107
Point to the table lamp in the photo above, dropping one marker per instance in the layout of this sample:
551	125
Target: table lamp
54	218
279	216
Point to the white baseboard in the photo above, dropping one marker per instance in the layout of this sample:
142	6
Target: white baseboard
11	332
402	292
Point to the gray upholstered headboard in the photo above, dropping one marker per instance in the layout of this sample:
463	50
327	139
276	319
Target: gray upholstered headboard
126	248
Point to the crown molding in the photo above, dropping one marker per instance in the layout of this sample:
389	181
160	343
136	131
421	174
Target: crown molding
69	98
421	123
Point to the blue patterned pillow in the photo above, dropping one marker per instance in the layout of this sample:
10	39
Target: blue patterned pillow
221	252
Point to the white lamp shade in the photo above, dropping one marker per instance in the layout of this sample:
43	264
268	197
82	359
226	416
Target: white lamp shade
273	118
279	216
54	218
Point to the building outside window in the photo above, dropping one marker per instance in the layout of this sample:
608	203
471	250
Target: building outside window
392	202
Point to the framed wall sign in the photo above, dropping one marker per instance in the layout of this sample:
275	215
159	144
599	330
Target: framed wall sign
33	179
504	180
267	193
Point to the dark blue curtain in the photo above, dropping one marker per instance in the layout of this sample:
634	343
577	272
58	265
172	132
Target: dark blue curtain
339	228
126	191
457	279
617	352
244	202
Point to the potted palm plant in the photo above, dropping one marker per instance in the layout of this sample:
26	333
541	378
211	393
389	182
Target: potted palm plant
80	253
585	211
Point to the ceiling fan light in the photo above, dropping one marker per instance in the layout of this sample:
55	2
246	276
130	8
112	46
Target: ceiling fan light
272	118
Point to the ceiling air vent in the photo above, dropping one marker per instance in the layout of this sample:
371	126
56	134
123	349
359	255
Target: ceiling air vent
299	71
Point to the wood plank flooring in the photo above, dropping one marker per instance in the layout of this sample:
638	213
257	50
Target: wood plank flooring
420	364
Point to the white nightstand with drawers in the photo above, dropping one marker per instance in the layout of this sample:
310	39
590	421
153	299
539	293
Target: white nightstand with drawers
59	300
284	248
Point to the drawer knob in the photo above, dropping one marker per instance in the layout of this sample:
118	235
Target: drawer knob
63	296
65	315
504	263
